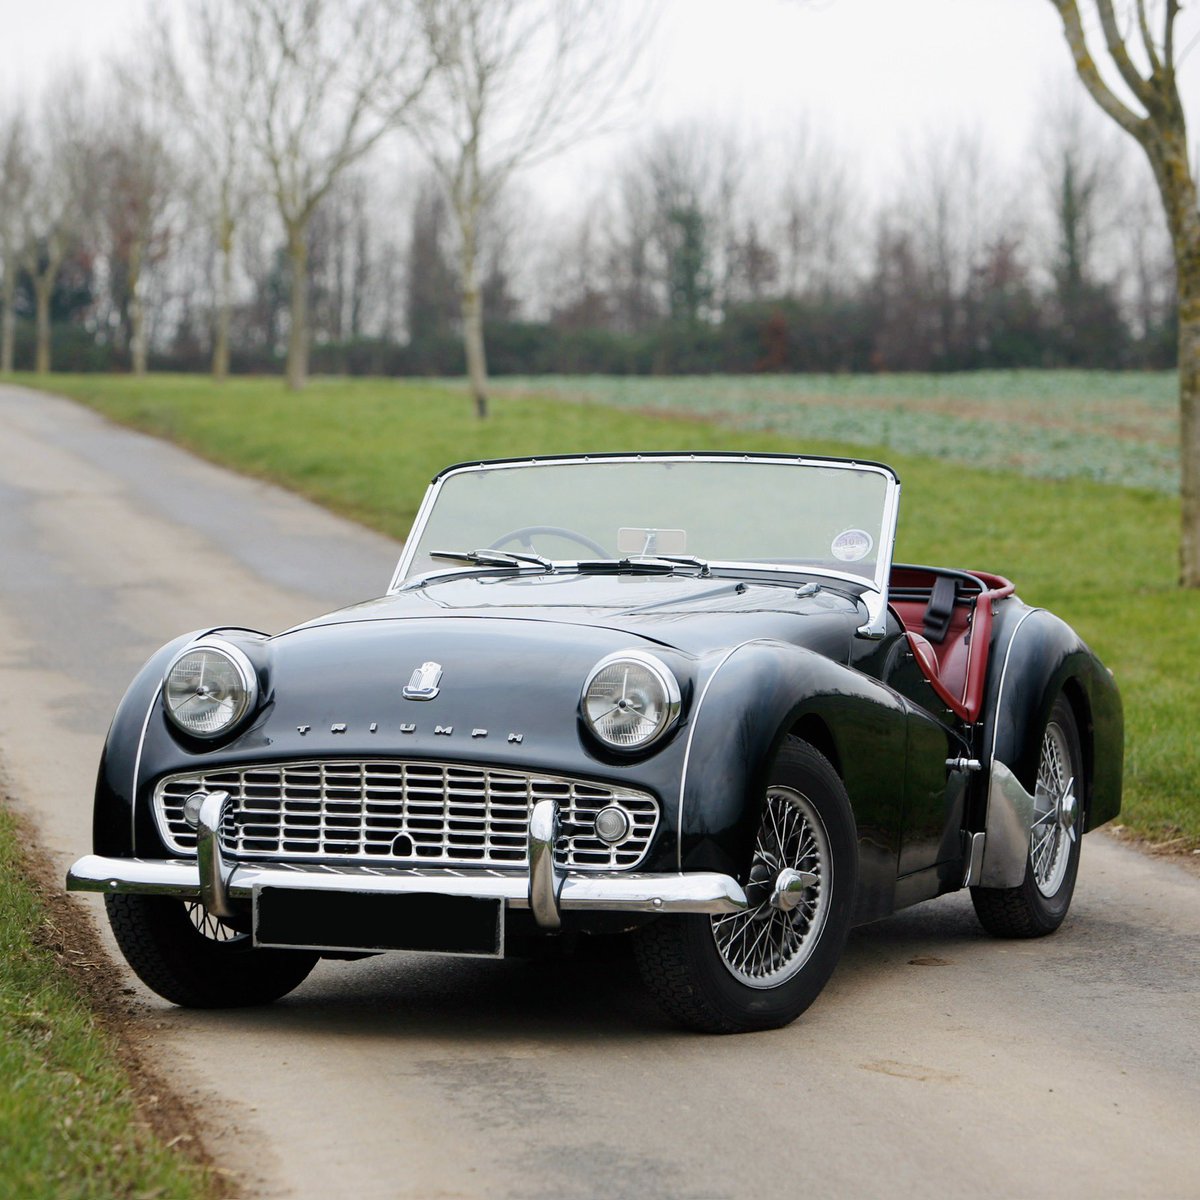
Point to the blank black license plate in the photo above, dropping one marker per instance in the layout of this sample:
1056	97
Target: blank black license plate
327	920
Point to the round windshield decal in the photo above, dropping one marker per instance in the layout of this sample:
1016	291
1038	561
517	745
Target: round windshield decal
851	545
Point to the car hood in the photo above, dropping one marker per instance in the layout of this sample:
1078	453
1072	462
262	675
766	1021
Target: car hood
691	614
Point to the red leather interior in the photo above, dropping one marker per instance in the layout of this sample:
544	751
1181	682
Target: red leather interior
956	667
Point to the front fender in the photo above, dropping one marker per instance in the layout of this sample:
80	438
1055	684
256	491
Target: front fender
756	695
114	825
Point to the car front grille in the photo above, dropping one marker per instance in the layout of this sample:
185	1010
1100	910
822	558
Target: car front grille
414	813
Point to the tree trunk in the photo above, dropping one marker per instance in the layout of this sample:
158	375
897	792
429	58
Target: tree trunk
8	324
297	353
1168	155
472	321
137	315
1189	432
220	358
42	285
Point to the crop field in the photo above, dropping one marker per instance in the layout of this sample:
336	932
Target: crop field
1110	427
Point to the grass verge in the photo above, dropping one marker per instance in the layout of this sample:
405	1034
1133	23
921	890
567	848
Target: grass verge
80	1116
1102	557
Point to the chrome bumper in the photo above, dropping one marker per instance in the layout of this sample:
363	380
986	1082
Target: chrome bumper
547	891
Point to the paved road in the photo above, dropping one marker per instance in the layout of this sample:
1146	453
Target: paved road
937	1060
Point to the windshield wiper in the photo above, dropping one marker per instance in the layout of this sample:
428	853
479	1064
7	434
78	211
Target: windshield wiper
687	560
494	558
649	564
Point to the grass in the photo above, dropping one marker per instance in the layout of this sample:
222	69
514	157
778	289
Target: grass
69	1126
1103	557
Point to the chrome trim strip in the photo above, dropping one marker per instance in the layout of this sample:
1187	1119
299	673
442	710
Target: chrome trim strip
687	752
702	891
137	768
544	883
1003	677
209	862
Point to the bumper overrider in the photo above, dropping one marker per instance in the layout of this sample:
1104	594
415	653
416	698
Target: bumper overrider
222	886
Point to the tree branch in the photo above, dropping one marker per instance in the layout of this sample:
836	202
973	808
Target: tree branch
1085	67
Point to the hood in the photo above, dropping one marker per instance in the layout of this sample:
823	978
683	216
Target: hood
694	615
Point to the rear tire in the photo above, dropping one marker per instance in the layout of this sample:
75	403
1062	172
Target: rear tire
762	968
1039	905
193	960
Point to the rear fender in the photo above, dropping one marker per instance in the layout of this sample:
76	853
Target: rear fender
1039	657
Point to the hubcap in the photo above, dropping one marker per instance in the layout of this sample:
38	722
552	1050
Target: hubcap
788	890
1054	812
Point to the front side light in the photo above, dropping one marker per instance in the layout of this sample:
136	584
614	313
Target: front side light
209	688
630	700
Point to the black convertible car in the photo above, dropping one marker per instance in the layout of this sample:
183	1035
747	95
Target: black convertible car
687	697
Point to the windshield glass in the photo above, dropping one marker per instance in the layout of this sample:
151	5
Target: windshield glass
766	512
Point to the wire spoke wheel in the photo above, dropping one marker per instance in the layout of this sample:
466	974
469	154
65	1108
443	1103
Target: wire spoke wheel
210	927
1054	812
768	943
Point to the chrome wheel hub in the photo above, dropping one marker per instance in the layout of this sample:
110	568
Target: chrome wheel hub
1054	812
788	890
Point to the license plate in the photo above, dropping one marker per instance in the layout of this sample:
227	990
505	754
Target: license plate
298	918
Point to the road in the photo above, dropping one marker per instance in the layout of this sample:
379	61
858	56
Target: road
937	1060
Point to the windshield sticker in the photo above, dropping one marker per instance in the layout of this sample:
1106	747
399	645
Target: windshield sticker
851	545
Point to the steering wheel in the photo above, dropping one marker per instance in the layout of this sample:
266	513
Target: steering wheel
527	533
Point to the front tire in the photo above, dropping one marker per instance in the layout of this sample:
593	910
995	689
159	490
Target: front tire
190	958
1039	905
761	968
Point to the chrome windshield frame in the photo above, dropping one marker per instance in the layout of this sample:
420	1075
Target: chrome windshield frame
875	594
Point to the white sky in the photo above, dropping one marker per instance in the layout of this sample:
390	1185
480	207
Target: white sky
876	75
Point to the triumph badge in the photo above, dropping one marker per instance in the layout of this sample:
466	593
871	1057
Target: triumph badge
424	682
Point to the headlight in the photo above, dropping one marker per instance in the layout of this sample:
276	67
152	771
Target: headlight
209	688
630	699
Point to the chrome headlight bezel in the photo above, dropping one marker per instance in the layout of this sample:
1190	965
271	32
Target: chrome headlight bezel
247	678
670	699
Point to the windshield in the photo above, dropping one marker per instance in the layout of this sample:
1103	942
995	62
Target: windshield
784	513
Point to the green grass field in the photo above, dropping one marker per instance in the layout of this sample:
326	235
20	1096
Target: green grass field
1101	556
69	1126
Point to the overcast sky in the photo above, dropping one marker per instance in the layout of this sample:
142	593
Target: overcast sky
877	75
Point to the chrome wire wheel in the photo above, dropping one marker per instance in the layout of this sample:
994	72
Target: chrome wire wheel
1054	812
210	927
789	890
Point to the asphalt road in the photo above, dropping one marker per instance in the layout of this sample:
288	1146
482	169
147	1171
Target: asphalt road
937	1061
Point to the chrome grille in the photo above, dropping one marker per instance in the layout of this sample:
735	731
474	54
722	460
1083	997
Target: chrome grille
413	813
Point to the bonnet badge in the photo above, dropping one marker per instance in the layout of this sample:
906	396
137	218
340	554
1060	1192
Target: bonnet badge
424	682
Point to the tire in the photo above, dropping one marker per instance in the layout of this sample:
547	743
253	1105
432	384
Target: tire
196	961
1039	905
761	968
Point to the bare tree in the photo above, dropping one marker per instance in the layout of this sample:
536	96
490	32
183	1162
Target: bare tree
1145	62
328	79
63	183
817	215
15	183
202	76
137	173
519	81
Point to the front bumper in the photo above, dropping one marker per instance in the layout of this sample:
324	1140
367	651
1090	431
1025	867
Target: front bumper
547	891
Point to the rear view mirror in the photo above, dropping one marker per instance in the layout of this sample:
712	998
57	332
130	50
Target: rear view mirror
648	542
